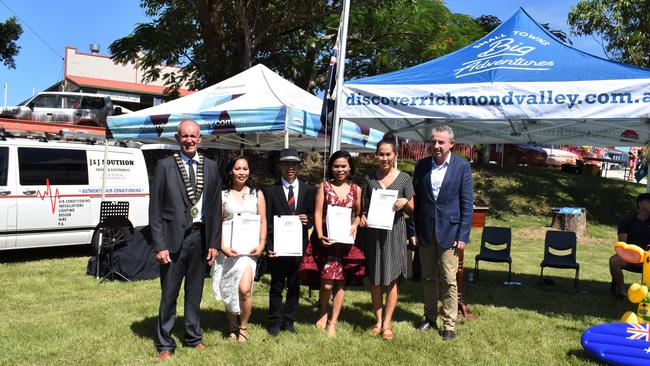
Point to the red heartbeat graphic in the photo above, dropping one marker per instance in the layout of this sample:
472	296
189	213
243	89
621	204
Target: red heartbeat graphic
48	193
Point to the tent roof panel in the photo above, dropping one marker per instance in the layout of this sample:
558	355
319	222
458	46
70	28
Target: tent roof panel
518	50
240	112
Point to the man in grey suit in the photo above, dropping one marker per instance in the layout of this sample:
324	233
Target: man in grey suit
443	216
185	221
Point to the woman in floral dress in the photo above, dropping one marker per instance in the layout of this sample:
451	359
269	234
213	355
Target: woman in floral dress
338	263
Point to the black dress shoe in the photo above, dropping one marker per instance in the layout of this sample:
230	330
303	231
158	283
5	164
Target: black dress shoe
274	330
448	335
289	327
427	325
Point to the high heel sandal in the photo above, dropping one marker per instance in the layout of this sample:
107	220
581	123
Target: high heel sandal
331	329
242	335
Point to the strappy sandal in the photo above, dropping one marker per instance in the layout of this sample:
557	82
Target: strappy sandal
242	335
388	334
233	333
375	330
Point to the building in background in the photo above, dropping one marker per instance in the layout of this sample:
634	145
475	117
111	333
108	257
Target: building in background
94	73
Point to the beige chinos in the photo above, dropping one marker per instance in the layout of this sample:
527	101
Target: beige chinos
440	263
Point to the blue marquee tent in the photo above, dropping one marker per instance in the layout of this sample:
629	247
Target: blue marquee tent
518	84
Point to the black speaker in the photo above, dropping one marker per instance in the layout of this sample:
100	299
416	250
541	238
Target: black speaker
133	258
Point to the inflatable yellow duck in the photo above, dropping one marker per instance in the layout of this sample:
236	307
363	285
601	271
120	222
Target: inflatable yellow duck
637	293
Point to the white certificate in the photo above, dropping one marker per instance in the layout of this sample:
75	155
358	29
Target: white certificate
287	236
245	233
339	224
380	212
226	233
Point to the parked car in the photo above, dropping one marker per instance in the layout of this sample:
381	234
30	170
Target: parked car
559	157
120	110
64	107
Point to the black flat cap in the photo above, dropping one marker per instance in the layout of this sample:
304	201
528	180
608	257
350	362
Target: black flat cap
289	155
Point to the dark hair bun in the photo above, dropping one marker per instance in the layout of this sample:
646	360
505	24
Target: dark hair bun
388	136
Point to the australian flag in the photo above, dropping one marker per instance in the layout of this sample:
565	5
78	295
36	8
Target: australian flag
326	114
337	60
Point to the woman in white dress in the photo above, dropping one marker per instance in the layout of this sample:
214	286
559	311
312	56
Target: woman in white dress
233	273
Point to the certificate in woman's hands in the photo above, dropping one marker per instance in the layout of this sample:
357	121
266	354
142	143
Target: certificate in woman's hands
245	233
339	224
226	233
380	213
287	236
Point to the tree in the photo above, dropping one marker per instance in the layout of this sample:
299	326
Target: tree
622	26
383	36
560	34
488	22
212	39
215	39
391	35
10	31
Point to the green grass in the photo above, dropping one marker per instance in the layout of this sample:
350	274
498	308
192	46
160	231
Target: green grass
51	312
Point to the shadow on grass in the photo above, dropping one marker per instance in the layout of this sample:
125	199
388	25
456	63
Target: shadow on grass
581	355
558	298
34	254
213	320
358	313
400	313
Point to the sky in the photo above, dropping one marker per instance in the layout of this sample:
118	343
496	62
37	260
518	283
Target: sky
554	12
73	23
50	26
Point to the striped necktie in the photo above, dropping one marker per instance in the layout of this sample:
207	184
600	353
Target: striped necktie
291	200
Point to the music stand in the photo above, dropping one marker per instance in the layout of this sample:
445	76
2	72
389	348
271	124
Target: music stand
112	217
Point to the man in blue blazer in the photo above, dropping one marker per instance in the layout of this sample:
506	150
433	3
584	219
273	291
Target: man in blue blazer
443	216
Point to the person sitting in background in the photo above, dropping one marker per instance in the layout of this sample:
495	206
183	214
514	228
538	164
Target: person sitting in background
633	229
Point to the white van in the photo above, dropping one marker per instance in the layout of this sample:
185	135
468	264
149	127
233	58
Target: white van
51	191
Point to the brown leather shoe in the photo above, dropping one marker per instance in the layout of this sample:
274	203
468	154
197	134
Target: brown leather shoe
164	355
199	346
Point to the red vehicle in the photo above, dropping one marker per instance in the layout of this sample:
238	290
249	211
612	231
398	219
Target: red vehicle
524	154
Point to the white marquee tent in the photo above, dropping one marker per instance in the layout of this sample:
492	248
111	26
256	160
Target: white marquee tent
256	109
